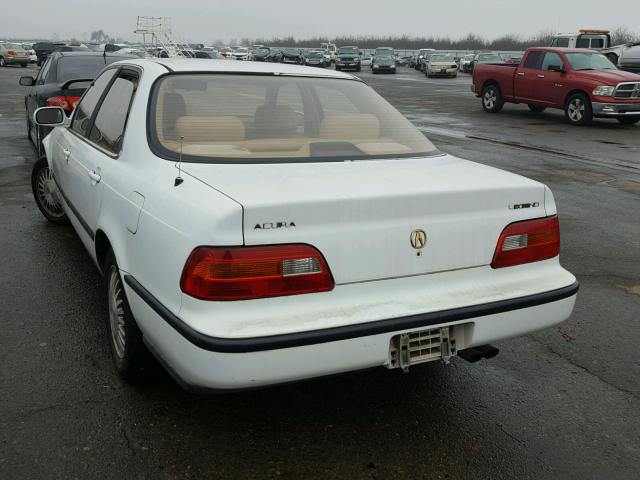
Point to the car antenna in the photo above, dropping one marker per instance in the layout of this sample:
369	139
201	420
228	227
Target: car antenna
179	178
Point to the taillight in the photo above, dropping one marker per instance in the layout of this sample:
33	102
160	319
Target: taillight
66	103
528	241
11	53
243	273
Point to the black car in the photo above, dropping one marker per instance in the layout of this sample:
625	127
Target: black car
292	55
60	83
315	58
44	49
261	54
348	58
275	55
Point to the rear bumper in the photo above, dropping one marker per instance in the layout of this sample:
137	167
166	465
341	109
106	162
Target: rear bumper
16	61
349	339
615	109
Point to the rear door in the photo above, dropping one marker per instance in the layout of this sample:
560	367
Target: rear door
93	152
68	169
527	76
551	88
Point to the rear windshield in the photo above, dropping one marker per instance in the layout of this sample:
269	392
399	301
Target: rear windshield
13	46
442	58
85	66
265	118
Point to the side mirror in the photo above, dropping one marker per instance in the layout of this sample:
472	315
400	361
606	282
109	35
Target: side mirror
50	116
27	81
555	68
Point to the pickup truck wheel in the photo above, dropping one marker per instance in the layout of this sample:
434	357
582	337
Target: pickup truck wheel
129	353
537	109
628	120
492	101
46	193
578	109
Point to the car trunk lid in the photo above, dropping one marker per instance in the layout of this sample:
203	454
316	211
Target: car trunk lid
361	215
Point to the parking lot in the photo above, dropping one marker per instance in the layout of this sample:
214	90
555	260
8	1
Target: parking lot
561	403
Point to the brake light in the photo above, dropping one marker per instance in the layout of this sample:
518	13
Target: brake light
243	273
11	53
528	241
66	103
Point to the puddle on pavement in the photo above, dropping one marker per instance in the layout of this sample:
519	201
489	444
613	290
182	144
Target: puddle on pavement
634	289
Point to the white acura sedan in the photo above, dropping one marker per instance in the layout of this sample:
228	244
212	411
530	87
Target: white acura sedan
259	223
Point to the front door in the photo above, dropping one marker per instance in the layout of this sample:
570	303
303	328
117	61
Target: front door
551	88
527	76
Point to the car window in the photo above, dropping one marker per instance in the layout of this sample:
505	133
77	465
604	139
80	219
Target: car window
109	125
551	58
82	66
597	43
534	60
44	72
84	109
257	117
560	42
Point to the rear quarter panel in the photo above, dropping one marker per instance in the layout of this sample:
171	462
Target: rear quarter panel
501	75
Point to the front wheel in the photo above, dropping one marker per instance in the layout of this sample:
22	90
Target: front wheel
45	193
537	109
3	63
628	120
578	110
492	100
129	353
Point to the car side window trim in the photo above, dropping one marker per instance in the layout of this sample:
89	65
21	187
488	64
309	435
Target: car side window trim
120	69
97	105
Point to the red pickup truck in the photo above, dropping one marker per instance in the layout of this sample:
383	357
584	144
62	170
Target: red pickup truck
583	83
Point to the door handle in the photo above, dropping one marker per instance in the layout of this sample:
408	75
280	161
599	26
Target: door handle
521	74
540	76
66	152
96	177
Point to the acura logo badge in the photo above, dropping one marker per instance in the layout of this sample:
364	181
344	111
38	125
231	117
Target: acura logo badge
418	239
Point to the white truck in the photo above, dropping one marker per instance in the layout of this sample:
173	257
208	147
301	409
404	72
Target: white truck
584	38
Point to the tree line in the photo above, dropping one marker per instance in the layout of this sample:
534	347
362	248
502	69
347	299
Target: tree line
405	42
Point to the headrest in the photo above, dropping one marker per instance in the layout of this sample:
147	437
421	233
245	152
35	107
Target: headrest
346	127
210	129
275	121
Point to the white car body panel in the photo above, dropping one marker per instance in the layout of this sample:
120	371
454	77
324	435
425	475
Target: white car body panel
358	214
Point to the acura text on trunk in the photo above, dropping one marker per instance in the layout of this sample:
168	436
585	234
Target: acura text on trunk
262	223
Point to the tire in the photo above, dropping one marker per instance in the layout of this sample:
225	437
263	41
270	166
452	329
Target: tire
358	69
492	101
23	65
628	120
131	357
337	69
46	193
3	63
577	109
537	109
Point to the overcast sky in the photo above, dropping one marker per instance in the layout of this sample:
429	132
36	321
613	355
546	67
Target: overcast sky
208	20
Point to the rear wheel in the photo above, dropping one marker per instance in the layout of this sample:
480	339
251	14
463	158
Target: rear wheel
578	110
46	193
537	109
129	353
492	100
628	120
3	63
23	65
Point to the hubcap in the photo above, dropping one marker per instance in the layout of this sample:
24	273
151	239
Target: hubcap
576	110
490	99
116	312
48	193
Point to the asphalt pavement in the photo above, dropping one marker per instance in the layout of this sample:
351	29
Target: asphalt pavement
563	403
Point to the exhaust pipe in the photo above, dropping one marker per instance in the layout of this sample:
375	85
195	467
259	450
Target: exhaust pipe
474	354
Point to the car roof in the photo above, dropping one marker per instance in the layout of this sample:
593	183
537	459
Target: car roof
90	53
234	66
565	50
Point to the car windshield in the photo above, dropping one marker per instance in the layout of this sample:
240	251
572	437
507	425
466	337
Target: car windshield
82	66
13	46
448	57
315	55
240	50
291	51
264	118
379	51
489	57
590	61
348	51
